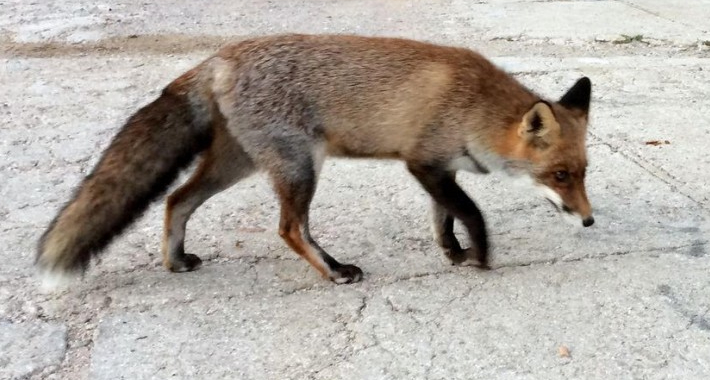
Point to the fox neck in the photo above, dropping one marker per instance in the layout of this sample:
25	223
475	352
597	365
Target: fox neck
477	158
513	152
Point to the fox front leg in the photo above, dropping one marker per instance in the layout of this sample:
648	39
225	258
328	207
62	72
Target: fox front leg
450	201
443	227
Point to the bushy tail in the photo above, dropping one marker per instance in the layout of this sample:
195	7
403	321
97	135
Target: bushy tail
143	159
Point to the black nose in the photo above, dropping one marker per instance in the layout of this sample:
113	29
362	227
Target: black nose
588	221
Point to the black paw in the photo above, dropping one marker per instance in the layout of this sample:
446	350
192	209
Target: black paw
468	257
185	263
346	274
456	256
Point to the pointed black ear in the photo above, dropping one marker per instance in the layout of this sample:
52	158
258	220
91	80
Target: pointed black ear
578	96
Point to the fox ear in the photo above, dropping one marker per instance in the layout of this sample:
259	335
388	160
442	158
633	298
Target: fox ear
578	96
539	124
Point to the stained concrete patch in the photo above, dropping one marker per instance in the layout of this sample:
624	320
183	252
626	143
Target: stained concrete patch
27	348
630	315
609	314
255	338
698	249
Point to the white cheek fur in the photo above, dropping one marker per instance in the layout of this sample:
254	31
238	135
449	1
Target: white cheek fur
573	218
550	194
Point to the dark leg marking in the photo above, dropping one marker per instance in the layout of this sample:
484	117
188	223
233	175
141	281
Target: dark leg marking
443	225
442	187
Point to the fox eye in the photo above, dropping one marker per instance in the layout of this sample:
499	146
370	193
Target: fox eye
561	175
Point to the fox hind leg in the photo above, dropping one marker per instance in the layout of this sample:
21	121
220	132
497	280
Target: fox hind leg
295	180
223	165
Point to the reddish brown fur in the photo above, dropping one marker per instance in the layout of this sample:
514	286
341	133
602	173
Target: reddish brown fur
280	103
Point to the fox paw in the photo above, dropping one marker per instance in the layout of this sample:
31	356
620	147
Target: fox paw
186	263
346	274
467	257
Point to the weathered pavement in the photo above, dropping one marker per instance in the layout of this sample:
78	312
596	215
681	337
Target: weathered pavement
628	298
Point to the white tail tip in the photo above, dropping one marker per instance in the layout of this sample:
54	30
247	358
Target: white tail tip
55	281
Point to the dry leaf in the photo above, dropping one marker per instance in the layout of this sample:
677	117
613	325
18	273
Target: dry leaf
563	352
657	142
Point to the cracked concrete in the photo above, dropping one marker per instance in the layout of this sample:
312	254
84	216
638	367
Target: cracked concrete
31	347
627	297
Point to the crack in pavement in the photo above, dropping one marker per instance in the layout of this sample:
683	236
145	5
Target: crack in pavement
657	14
351	334
655	171
601	256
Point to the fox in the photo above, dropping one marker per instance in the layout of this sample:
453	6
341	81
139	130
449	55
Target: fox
282	104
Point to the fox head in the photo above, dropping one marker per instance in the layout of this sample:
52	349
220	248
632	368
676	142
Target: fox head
551	138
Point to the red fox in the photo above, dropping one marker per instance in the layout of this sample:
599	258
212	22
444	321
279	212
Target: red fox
281	104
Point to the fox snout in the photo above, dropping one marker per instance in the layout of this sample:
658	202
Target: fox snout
586	220
577	206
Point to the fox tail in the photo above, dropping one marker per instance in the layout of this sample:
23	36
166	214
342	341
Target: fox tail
144	158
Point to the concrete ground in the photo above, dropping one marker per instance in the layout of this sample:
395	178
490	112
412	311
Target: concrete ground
627	298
